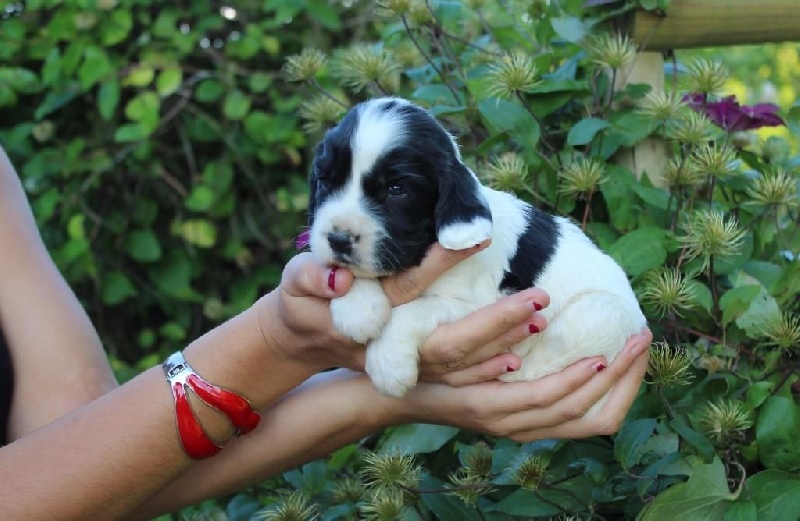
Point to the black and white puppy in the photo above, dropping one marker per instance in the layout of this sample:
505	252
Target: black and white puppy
387	182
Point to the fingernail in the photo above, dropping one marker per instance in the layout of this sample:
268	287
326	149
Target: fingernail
537	306
510	369
533	329
332	278
599	366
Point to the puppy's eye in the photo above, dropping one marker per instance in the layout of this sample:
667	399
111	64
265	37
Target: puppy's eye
397	191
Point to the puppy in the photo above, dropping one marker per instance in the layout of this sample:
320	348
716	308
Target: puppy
386	183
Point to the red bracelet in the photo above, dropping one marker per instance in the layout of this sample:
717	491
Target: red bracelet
194	439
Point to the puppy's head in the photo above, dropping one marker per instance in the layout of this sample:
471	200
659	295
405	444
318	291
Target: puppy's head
386	183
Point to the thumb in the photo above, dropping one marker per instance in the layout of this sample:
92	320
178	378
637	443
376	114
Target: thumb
302	277
409	284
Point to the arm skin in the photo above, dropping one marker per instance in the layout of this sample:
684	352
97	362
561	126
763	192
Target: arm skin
333	409
39	311
118	455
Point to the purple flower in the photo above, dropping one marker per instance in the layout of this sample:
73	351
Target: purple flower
728	115
301	241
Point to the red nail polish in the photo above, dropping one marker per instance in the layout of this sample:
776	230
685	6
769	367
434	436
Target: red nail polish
510	369
533	329
599	366
537	306
332	278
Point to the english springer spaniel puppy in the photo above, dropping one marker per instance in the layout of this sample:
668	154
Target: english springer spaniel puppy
386	183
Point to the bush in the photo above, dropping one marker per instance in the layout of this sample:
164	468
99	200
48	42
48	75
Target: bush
206	143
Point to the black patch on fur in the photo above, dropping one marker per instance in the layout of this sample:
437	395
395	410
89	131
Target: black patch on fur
440	190
535	248
333	159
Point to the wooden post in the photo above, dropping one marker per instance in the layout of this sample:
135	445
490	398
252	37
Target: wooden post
650	154
696	23
709	23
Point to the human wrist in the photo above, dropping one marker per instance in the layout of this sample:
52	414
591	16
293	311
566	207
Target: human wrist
281	341
237	356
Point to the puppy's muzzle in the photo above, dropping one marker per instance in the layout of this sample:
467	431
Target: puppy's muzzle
342	242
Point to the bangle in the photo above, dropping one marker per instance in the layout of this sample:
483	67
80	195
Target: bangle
194	440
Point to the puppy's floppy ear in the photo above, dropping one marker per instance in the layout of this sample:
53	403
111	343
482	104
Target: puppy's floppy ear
463	218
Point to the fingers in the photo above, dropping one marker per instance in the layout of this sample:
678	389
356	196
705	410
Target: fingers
625	376
409	284
302	277
489	369
532	401
485	333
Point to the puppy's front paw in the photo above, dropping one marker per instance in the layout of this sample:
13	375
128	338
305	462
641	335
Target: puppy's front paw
362	312
460	236
392	367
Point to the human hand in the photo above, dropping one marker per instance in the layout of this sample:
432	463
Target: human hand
551	407
477	347
296	316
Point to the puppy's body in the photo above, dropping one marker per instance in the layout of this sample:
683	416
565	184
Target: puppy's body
387	183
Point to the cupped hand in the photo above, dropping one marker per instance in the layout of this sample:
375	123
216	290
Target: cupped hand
551	407
471	350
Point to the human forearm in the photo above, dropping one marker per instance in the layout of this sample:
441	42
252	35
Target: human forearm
325	413
55	348
106	458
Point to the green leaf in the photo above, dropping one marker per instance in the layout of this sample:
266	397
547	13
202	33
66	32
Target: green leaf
130	132
758	393
703	497
168	81
524	503
777	433
259	82
117	288
776	495
640	250
446	506
323	12
199	232
241	507
117	27
108	99
692	437
144	109
735	301
173	276
209	90
617	193
761	310
143	246
236	105
95	67
172	331
701	294
54	100
629	444
419	438
139	77
311	478
200	198
741	510
585	130
570	28
511	117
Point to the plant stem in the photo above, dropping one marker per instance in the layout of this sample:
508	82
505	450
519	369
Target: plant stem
545	135
667	406
429	59
314	83
712	281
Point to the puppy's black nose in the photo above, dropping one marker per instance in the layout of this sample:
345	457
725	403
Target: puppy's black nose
341	242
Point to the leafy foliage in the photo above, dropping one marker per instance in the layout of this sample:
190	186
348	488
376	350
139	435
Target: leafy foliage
163	148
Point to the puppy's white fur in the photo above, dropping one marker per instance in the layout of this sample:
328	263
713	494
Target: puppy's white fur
592	308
